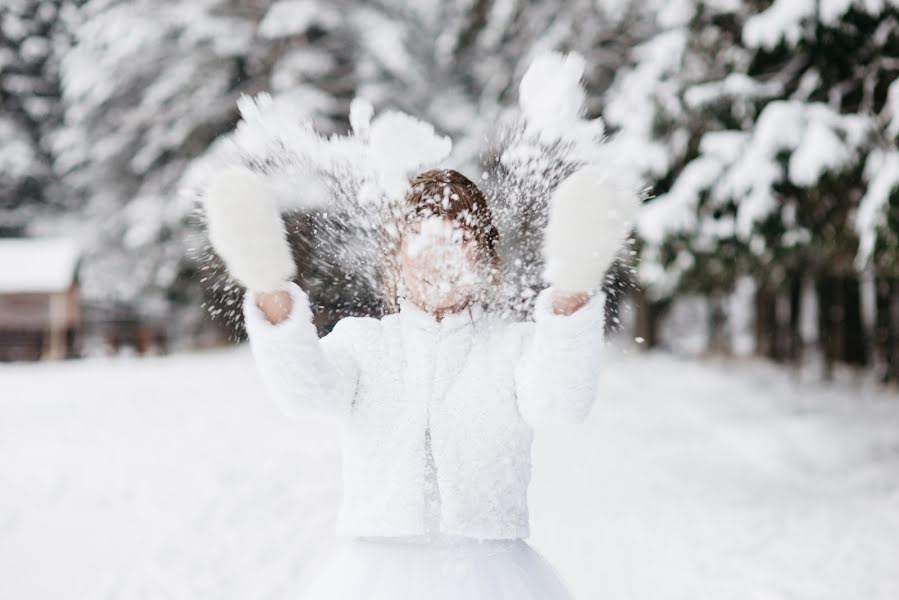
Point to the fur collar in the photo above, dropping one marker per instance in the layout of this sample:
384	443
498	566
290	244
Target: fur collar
419	318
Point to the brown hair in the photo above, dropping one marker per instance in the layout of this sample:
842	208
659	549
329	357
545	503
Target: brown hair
450	194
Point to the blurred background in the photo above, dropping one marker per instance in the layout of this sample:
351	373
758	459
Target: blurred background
767	132
746	443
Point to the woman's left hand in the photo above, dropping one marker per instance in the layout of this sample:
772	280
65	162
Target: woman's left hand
591	214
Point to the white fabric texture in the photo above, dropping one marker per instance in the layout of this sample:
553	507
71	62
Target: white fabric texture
245	228
591	214
462	570
472	386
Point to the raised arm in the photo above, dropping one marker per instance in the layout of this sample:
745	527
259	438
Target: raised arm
591	213
557	369
302	373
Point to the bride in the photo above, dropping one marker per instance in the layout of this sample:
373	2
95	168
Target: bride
436	402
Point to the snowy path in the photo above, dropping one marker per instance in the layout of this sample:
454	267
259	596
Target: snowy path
176	478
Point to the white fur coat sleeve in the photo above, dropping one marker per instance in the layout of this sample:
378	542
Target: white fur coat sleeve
302	372
556	373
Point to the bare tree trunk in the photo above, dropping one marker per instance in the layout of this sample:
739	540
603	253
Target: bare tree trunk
647	319
765	323
893	373
828	320
854	340
718	342
886	330
868	299
882	337
794	340
782	319
809	319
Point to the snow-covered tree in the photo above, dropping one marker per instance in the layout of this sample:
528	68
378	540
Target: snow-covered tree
453	64
768	130
29	109
770	134
148	86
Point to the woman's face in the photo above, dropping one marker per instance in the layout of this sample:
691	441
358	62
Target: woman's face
438	263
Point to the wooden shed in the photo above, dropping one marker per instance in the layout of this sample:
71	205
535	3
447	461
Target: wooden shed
39	302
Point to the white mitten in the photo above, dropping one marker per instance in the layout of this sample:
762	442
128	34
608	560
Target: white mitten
246	229
591	213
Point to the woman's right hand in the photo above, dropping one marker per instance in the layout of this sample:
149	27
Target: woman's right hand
276	305
245	228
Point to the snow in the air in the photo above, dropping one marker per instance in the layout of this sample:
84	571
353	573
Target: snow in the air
552	96
177	478
399	144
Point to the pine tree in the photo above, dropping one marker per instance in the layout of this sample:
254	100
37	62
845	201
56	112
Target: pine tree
148	87
29	109
766	132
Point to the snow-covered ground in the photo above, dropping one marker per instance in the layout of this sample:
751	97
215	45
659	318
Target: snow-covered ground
176	478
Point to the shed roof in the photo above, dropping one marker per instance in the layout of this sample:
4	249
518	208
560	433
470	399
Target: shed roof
37	265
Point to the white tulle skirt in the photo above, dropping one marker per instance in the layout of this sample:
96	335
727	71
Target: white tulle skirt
460	569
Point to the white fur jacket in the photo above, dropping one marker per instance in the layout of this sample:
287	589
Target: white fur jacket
462	394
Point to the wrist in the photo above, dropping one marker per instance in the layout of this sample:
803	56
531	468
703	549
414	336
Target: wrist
275	304
565	303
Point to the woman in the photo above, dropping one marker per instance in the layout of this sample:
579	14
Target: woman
437	402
